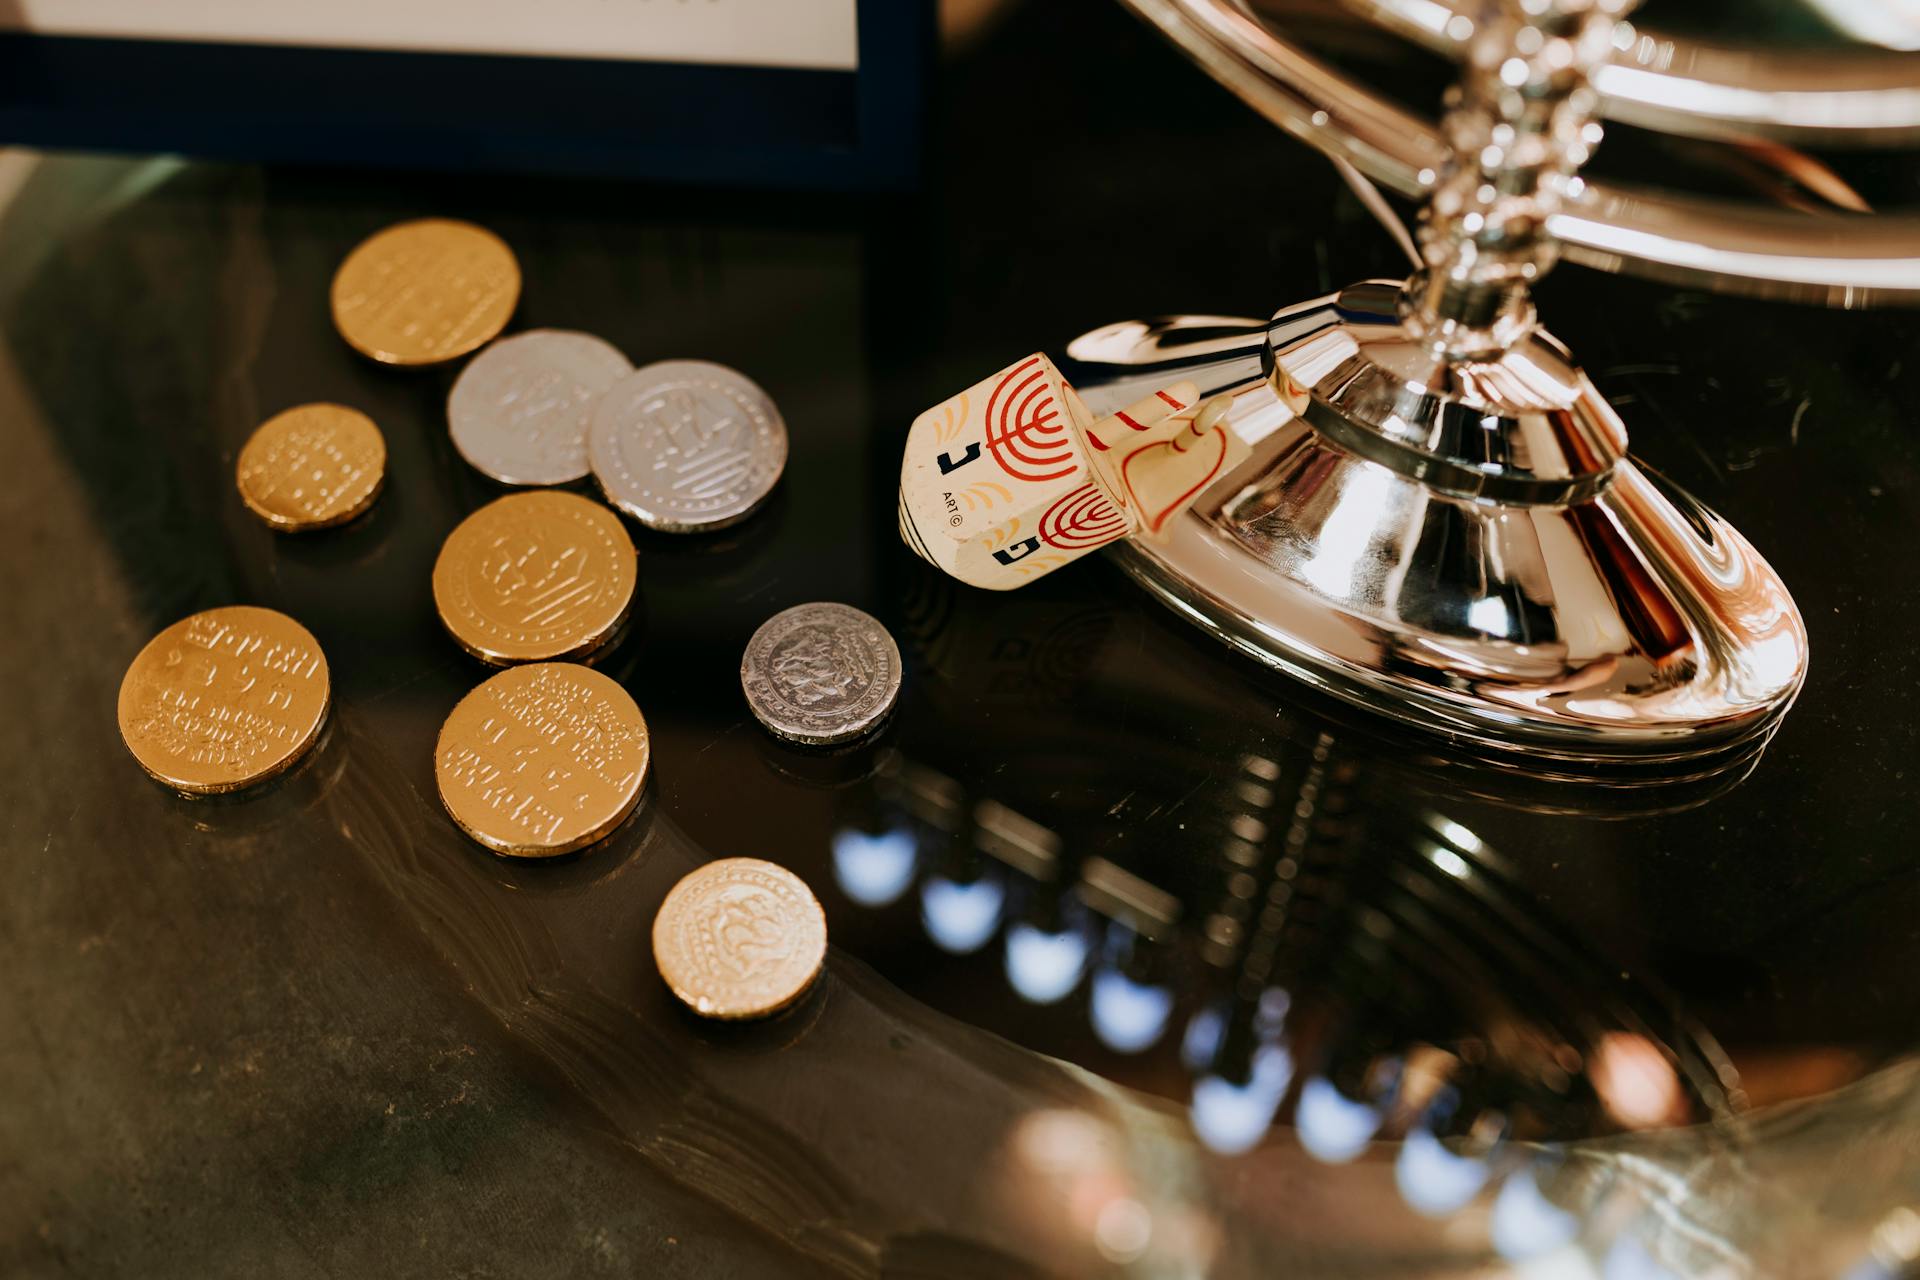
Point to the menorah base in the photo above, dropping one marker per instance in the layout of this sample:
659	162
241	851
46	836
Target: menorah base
1626	620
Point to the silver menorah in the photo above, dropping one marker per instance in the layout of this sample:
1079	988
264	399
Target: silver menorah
1439	519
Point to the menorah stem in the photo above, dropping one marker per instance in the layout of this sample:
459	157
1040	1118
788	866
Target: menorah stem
1520	124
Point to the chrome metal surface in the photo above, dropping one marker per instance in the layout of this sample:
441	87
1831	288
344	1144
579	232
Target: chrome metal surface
1521	426
1520	125
1438	518
1835	259
1841	97
1569	602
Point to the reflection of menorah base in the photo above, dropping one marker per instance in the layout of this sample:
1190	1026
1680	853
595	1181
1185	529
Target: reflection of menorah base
1612	616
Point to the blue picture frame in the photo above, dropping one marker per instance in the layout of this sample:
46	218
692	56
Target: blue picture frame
728	125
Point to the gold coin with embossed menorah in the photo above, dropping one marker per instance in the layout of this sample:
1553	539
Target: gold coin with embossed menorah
542	759
224	699
533	577
740	938
312	467
425	292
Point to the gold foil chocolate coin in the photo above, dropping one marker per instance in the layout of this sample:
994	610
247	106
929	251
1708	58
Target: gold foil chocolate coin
425	292
312	467
740	938
542	760
535	576
224	699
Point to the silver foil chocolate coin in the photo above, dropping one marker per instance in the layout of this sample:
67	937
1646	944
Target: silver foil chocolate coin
519	410
686	446
820	674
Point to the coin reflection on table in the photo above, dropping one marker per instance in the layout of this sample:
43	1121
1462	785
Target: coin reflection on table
312	467
687	446
224	699
518	412
740	938
542	759
820	674
425	292
533	577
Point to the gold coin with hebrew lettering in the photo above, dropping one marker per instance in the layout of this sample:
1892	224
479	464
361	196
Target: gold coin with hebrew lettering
425	292
224	699
740	938
312	467
532	577
542	759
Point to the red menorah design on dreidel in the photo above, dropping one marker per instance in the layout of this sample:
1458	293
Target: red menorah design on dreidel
1082	520
1027	430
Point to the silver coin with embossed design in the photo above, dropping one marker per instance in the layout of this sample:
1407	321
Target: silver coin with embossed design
519	411
740	938
686	446
821	673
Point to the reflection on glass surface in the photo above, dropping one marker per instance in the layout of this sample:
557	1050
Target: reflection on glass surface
1628	1259
1333	1128
1892	24
873	870
961	917
1340	902
1342	972
1045	967
1635	1082
1232	1117
1201	1040
1525	1224
1070	1177
1123	1230
1128	1016
1284	937
1434	1180
1894	1250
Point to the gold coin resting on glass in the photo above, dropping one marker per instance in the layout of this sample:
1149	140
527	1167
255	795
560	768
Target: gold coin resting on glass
312	467
425	292
542	759
740	938
224	699
534	577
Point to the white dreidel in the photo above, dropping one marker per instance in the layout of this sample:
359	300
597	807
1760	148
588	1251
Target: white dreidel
1013	478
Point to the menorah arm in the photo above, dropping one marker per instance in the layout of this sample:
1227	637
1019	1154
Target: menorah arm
1843	97
1836	259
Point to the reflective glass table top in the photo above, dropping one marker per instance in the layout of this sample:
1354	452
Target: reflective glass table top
1145	961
